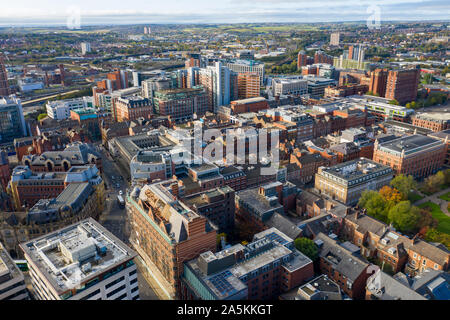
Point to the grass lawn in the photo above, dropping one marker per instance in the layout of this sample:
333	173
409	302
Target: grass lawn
413	197
445	197
442	218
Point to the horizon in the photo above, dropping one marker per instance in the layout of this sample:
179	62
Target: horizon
54	13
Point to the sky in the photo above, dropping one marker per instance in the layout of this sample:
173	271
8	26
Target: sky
91	12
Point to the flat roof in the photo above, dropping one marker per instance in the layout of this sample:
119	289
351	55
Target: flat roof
76	254
409	144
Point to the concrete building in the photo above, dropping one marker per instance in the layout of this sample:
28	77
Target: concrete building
4	84
346	181
282	86
320	288
85	48
247	66
416	155
149	165
12	282
248	85
166	233
217	81
335	39
260	270
13	122
181	104
81	262
60	109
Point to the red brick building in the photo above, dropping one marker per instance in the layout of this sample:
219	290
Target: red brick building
402	85
249	105
416	155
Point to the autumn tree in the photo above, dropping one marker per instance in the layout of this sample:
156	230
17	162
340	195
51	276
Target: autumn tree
374	204
391	195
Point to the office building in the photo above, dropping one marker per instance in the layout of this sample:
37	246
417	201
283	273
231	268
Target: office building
60	109
217	81
416	155
346	181
247	66
12	121
81	262
12	281
4	84
132	108
148	165
181	104
287	86
166	233
260	270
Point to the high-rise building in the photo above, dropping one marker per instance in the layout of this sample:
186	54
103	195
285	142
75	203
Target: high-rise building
216	80
12	121
335	39
85	47
12	283
302	60
81	262
248	85
248	66
4	85
181	103
378	79
402	85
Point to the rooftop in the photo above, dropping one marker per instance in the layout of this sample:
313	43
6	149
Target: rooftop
409	144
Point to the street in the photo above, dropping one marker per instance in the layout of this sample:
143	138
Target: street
114	218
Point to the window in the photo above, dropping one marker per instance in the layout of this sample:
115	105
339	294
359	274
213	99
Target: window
115	291
109	285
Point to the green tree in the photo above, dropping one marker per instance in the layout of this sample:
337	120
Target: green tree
433	235
404	217
307	247
376	206
394	102
404	184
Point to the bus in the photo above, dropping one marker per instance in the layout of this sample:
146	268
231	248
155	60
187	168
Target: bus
120	201
21	264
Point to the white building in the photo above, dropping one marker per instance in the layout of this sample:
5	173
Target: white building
287	86
60	110
85	47
247	66
335	39
81	262
12	284
151	165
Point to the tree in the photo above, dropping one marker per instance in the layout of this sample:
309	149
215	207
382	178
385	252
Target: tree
404	184
307	247
391	194
404	217
433	235
426	220
374	204
433	183
394	102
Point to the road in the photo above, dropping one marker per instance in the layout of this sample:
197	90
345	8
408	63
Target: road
114	218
